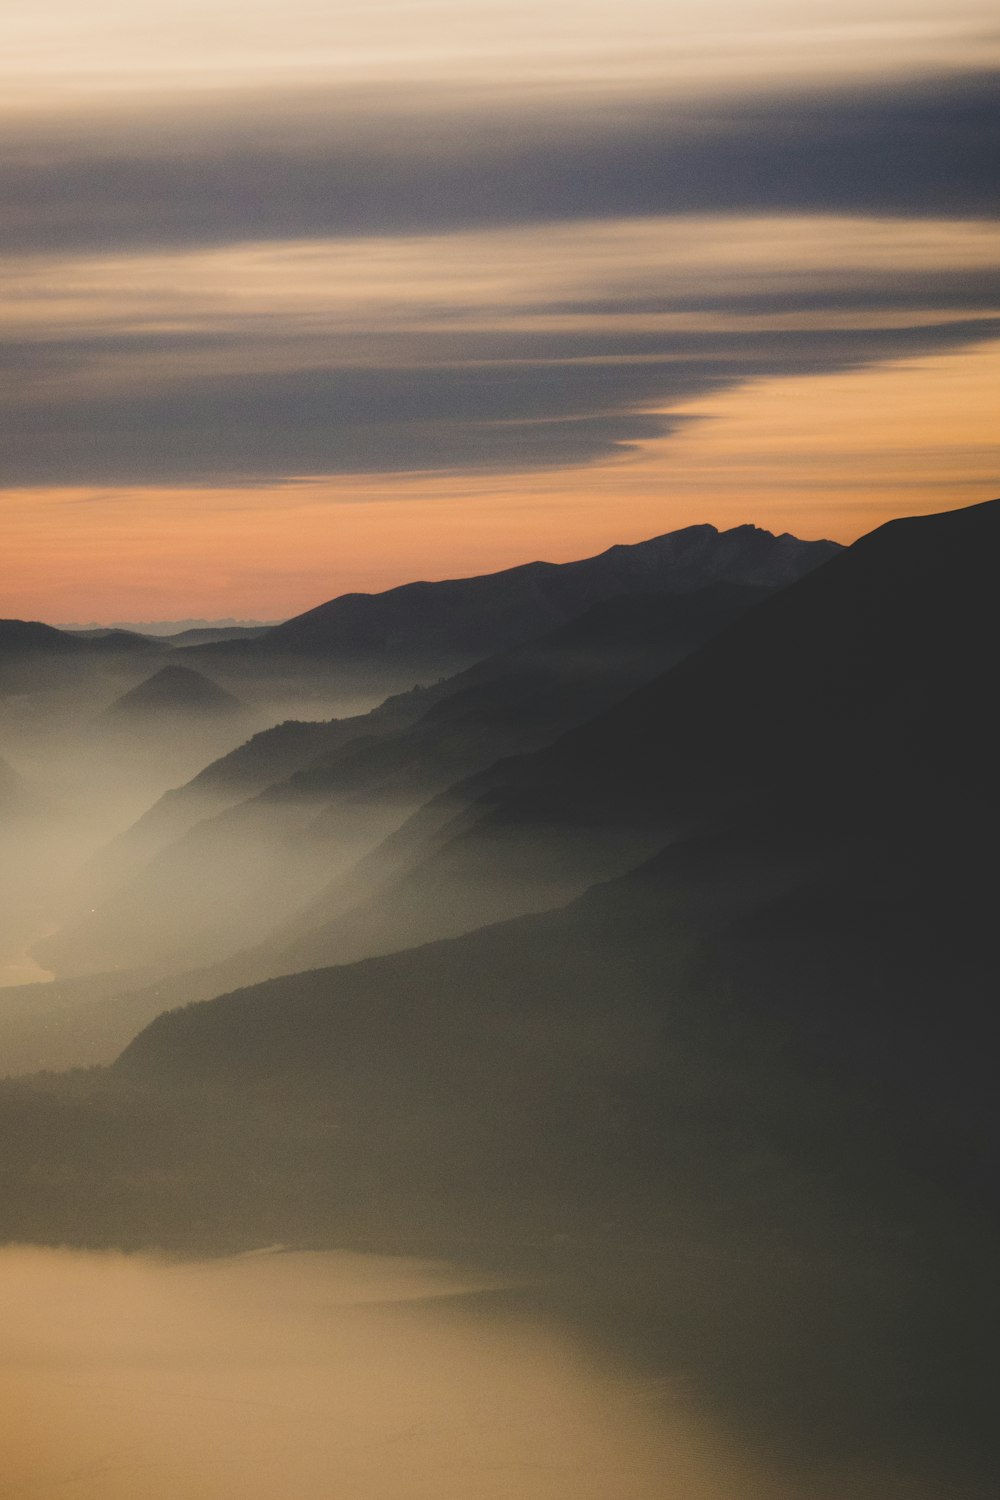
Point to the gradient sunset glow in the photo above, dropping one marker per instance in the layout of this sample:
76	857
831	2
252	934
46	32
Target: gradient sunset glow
301	302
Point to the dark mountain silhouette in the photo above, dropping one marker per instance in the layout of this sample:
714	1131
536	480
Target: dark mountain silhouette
54	678
33	653
825	707
687	779
498	609
742	1096
174	689
815	932
437	628
32	635
268	855
114	640
206	635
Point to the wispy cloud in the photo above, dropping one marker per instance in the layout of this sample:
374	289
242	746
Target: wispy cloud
478	239
928	148
549	400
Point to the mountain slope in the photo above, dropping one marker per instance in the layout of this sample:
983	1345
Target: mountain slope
255	863
174	689
497	609
828	705
432	629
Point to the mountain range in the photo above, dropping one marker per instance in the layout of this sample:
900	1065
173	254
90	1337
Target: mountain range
791	749
349	784
678	981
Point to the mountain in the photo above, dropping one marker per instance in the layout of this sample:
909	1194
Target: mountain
422	629
32	635
269	757
739	1100
176	690
205	635
805	968
52	679
112	638
31	652
827	706
498	609
253	864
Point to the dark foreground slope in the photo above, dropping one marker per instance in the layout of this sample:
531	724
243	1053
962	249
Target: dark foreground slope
743	1133
856	699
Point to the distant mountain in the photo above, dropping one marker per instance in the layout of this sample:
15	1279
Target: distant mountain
113	639
32	635
436	628
203	635
176	690
69	670
166	629
356	780
32	653
269	757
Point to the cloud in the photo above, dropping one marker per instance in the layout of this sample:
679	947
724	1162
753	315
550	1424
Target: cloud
415	165
954	289
537	401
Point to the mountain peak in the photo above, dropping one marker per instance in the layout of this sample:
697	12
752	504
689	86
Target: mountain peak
467	618
174	689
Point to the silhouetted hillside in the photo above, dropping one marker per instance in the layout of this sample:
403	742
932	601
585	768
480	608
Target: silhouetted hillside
32	635
56	677
437	628
207	635
32	654
173	689
114	641
831	707
267	758
253	865
498	609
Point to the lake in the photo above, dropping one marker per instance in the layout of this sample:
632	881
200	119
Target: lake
335	1376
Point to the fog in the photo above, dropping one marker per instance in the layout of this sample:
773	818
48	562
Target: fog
92	737
220	816
311	1375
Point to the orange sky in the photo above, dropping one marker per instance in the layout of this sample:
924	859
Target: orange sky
293	309
825	456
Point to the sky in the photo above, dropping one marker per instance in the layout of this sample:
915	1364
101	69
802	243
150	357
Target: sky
304	299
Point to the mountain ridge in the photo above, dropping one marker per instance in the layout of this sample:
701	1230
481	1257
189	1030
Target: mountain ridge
451	622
